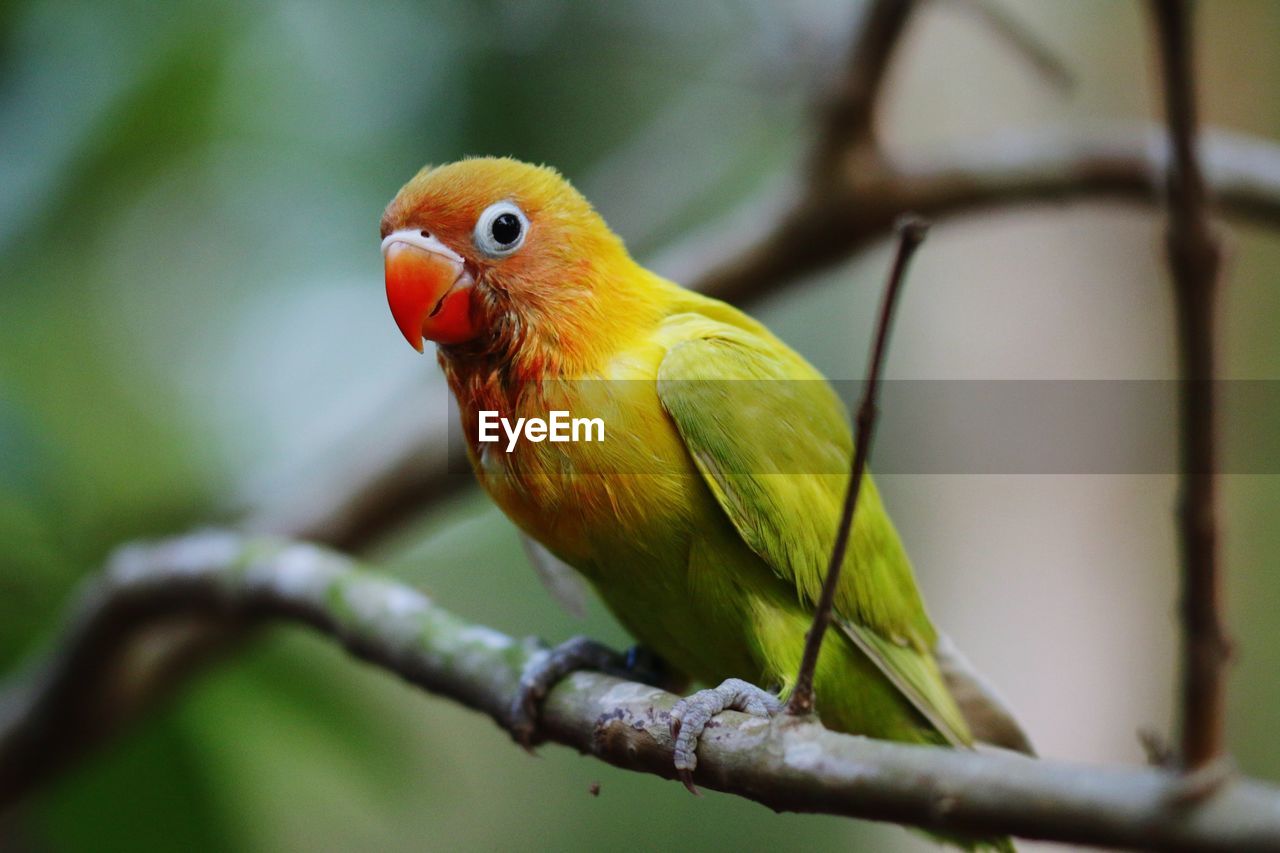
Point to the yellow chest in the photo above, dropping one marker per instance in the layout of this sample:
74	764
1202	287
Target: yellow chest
624	476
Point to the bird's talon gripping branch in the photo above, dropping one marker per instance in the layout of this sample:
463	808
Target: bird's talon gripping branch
545	670
690	716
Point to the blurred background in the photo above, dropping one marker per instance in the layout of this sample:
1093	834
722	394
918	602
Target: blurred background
192	313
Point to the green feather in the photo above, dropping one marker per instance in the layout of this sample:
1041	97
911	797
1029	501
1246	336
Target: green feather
770	438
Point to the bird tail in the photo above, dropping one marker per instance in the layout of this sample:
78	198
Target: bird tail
987	714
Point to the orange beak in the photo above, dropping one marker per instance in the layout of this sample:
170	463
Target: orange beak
429	289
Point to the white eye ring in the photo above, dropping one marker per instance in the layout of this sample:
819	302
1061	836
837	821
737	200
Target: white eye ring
485	238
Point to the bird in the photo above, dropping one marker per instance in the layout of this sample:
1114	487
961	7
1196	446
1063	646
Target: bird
705	517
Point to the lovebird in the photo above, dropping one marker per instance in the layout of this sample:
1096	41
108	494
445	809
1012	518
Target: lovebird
705	517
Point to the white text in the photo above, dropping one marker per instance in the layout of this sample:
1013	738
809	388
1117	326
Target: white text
559	426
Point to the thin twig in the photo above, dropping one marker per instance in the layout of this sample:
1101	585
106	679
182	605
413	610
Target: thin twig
911	233
793	764
1025	43
1194	261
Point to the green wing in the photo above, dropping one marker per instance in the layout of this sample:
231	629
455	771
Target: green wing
773	443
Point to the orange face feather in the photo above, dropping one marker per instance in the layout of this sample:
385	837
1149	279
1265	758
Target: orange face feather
509	270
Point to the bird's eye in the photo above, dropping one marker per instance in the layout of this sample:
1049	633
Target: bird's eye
501	229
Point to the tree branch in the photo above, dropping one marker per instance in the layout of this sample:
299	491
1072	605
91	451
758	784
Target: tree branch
790	764
1194	262
847	128
911	233
1051	165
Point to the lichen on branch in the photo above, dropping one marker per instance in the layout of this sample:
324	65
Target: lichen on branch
55	713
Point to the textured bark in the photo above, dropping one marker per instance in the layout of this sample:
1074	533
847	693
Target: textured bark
787	764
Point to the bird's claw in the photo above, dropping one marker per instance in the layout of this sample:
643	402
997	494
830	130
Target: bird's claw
544	671
690	716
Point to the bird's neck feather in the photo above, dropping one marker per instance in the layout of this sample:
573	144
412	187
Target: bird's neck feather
570	330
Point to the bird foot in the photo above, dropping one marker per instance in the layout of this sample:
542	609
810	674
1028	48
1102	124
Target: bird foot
544	671
548	667
690	716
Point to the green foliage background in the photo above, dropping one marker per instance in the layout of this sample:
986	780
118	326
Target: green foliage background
191	309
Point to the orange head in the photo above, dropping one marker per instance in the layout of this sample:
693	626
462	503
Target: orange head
494	257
